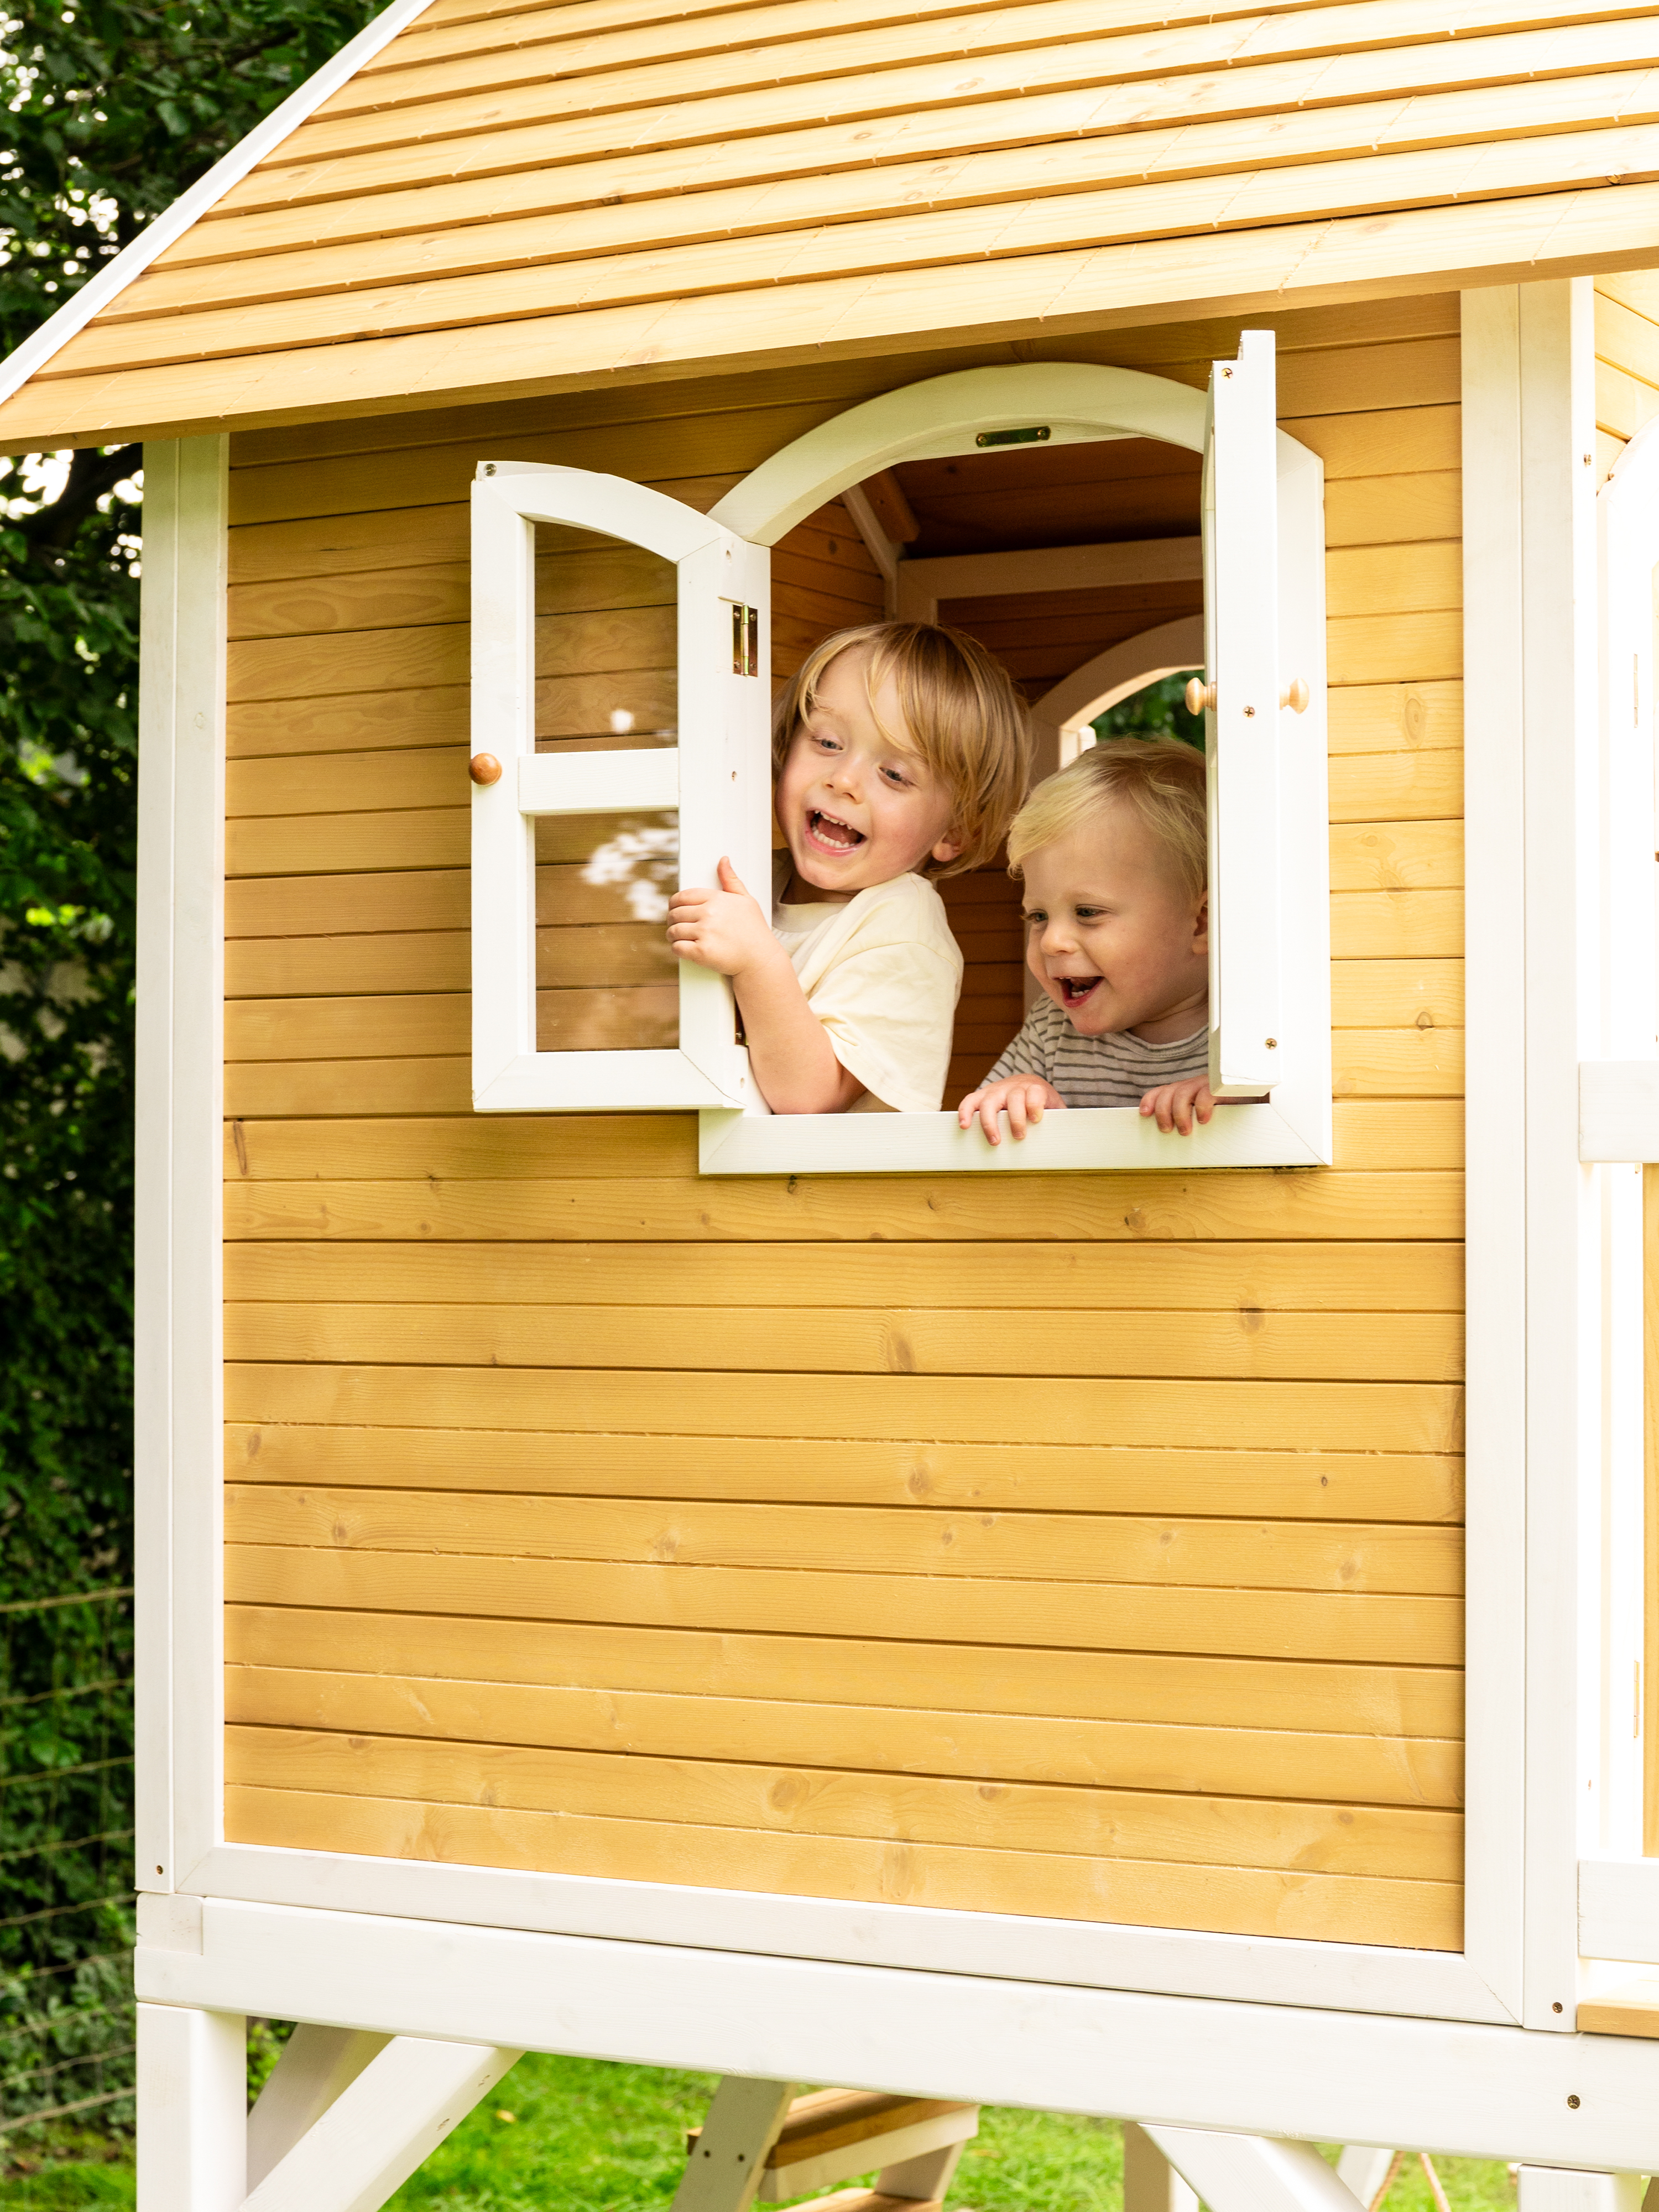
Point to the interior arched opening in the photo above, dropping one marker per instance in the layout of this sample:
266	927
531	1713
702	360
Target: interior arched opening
1077	564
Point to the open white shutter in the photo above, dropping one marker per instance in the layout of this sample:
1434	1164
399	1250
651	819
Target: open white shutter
712	772
1242	730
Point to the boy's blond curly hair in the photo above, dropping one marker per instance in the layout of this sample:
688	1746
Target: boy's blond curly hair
1162	779
961	714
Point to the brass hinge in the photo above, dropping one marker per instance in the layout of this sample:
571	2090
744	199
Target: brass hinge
745	640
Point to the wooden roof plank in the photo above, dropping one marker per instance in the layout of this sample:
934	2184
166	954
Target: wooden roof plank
1050	294
845	80
446	230
851	250
740	143
1041	176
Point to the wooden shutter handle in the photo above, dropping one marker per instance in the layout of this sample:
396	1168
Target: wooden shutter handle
484	768
1200	695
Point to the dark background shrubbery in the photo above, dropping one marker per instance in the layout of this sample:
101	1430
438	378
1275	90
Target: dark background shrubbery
112	112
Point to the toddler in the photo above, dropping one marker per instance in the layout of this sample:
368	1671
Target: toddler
1112	851
901	753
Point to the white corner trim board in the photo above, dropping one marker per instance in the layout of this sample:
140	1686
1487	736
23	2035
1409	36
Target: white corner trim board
113	278
1261	2068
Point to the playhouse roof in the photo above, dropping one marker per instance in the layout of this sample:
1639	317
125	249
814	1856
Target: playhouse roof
479	198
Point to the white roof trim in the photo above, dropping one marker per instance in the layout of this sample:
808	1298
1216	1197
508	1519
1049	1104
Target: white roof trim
76	311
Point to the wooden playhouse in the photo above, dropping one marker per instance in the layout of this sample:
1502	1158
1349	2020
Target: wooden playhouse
624	1573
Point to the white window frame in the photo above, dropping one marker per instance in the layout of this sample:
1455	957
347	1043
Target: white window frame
716	776
1286	832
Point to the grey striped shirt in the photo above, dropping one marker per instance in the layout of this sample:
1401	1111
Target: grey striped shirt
1103	1071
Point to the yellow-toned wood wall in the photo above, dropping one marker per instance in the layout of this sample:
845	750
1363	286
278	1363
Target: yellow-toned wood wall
1072	1545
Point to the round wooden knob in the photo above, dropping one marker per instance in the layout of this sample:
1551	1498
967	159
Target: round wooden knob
1200	694
1295	695
484	768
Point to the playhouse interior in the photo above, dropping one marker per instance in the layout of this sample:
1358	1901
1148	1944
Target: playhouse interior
607	678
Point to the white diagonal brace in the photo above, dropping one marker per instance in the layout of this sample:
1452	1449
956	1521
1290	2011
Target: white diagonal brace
317	2066
1253	2173
1366	2170
375	2133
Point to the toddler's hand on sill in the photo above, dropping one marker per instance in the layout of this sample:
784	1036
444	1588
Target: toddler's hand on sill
724	929
1173	1105
1024	1098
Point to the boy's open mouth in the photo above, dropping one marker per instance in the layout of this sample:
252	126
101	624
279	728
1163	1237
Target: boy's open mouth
1075	990
834	834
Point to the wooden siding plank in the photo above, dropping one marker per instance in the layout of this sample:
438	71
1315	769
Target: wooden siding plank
1394	580
1085	1478
1390	994
1129	1207
1390	718
1263	1623
1396	1557
897	1340
1154	1689
1396	856
1372	1770
377	660
1334	1907
1411	1417
1426	1063
345	783
1406	1843
1389	923
1375	787
1393	510
1245	1279
349	722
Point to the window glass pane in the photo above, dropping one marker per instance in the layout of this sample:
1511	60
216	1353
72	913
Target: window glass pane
605	980
606	681
606	676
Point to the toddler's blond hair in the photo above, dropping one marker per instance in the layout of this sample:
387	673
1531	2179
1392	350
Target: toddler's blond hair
961	716
1162	779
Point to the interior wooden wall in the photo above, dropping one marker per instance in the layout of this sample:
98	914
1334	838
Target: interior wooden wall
1626	360
1085	1546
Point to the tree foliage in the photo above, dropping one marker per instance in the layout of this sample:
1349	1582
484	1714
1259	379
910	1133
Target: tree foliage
114	109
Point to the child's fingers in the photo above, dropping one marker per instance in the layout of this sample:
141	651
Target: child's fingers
1205	1104
730	880
990	1108
968	1109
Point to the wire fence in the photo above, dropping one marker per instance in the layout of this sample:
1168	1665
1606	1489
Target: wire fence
66	1911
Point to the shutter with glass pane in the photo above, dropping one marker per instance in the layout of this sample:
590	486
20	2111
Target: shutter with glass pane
620	720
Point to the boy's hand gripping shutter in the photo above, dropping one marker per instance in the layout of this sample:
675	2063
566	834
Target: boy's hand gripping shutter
716	776
1243	700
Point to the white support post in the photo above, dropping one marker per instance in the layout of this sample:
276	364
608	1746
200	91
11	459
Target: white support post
1366	2170
193	2109
1151	2184
380	2128
317	2065
1560	2188
1253	2173
724	2171
925	2178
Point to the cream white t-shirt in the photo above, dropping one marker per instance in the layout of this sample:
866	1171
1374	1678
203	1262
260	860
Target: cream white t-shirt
883	974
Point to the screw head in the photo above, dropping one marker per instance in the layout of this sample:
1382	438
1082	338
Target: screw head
1272	1043
1572	2103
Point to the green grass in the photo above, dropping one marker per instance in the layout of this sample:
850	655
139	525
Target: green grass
585	2136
